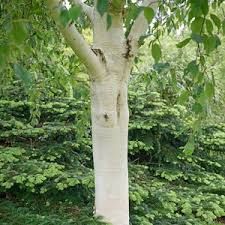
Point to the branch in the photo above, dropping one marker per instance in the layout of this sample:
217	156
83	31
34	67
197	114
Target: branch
77	42
140	25
88	10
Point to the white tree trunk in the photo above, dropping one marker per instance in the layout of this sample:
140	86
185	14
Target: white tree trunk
108	63
110	116
110	136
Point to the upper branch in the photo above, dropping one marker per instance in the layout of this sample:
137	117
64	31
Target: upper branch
140	25
88	10
77	42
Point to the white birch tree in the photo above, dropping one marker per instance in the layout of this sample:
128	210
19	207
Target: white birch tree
109	62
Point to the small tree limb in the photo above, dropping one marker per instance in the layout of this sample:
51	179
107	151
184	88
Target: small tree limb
88	10
140	25
77	42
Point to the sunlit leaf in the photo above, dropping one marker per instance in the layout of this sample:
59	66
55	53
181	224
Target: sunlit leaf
149	14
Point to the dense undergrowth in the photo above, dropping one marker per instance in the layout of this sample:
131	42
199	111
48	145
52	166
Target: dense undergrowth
46	174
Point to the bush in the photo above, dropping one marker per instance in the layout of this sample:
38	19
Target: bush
46	164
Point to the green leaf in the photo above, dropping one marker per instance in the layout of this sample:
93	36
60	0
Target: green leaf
209	43
156	52
195	11
197	38
197	25
209	26
183	43
64	17
198	8
216	20
102	6
74	12
23	75
141	40
193	68
204	6
149	14
109	21
131	14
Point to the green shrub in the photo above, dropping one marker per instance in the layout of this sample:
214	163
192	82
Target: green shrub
52	157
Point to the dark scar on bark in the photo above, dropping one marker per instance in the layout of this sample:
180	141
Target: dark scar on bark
106	116
128	53
98	52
